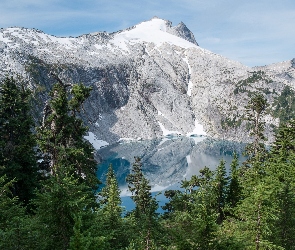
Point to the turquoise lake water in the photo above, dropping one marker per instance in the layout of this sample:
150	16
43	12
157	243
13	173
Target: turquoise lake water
166	161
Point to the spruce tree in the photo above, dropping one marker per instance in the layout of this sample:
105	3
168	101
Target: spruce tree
255	111
112	223
193	225
145	207
17	142
255	212
68	194
281	172
110	197
234	188
86	239
62	202
16	226
61	135
141	191
221	185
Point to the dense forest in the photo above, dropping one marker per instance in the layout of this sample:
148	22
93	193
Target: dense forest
49	198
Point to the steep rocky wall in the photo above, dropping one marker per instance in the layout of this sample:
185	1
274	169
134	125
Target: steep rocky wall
142	87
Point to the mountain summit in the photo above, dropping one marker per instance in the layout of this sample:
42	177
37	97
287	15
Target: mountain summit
157	31
182	31
148	81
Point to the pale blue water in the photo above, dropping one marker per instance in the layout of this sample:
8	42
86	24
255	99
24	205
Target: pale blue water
165	161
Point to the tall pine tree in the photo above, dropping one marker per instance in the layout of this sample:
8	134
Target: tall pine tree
255	111
17	142
281	172
145	207
111	222
68	195
61	135
255	212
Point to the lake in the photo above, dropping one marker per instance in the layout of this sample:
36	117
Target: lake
166	161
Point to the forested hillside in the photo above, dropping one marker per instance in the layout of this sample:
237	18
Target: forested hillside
49	197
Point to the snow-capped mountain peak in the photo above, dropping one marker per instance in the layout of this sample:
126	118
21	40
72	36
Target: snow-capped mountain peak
156	31
147	80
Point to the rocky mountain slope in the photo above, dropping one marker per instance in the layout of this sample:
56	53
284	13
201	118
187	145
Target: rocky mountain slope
148	80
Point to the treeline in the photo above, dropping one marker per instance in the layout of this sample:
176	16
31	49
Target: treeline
48	183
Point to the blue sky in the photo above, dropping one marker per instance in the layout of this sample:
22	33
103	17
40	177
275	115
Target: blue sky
253	32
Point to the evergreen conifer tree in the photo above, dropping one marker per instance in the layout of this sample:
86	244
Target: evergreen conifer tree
61	135
111	201
16	226
86	239
234	189
221	186
141	190
281	173
68	194
145	206
256	209
17	142
62	202
255	110
194	226
113	224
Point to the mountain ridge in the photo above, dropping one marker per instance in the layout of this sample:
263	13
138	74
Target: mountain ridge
146	80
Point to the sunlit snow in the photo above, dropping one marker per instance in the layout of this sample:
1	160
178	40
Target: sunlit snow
97	144
153	31
190	84
198	130
166	131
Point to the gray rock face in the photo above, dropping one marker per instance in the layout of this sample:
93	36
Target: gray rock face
147	80
182	31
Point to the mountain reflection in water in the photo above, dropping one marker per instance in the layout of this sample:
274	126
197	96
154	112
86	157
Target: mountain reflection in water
166	161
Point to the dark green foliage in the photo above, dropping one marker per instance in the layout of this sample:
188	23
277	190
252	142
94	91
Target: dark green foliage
234	188
141	191
145	208
284	145
254	212
16	228
221	183
17	142
255	76
68	195
60	137
112	223
212	189
86	239
281	172
110	197
259	216
285	105
177	201
255	110
61	203
195	214
251	207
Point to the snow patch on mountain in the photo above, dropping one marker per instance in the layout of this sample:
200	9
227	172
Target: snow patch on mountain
97	144
198	130
148	81
167	132
190	83
153	31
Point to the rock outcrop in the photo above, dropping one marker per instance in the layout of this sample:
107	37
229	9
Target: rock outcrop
146	80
